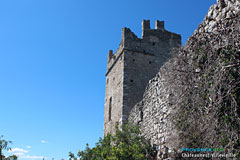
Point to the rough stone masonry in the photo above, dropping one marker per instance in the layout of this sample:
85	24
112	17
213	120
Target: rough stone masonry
129	93
129	69
220	28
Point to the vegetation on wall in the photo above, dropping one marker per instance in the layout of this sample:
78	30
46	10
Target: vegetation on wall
207	81
126	143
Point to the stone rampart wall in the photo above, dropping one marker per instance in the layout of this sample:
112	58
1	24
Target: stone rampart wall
220	28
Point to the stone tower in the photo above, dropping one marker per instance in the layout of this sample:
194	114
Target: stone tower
129	69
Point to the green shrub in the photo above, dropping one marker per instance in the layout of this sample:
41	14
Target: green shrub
126	144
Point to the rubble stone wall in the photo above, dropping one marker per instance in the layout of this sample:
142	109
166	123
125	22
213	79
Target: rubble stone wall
220	27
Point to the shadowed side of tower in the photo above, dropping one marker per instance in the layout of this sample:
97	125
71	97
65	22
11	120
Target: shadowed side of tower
129	69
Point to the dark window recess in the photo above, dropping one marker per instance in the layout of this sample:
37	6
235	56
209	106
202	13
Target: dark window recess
150	62
113	78
107	81
131	80
110	110
153	44
141	115
133	60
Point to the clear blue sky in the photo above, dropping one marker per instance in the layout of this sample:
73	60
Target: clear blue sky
53	56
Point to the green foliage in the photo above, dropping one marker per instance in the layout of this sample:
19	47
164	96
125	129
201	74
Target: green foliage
209	113
125	144
4	145
13	157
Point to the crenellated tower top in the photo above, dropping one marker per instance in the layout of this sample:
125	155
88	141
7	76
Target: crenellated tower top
136	61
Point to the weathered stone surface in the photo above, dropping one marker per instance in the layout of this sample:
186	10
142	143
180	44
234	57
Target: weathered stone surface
220	28
130	73
224	9
130	68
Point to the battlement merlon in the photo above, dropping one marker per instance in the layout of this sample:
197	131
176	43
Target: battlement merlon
156	38
109	57
127	37
159	25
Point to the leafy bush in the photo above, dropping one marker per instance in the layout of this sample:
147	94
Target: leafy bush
126	144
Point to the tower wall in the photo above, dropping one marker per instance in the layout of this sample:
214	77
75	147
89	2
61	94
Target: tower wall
114	91
130	68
